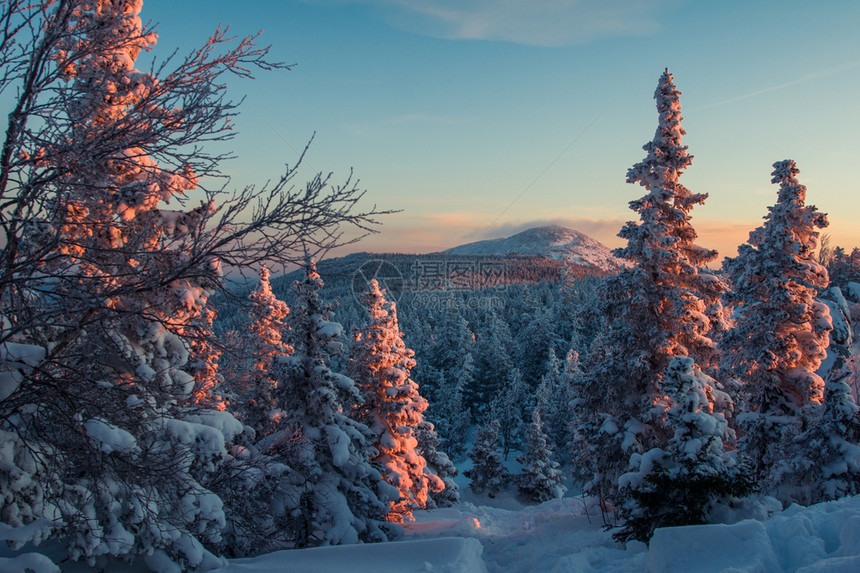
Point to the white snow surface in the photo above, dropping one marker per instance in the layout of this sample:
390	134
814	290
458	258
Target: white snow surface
565	535
562	536
442	554
554	242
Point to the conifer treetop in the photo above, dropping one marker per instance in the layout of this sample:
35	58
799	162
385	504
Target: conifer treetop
664	234
268	322
667	157
673	291
792	223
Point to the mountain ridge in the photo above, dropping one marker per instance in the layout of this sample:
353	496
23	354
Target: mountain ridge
552	241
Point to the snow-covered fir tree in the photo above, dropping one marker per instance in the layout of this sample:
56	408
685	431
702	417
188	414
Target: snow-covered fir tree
823	462
674	290
679	484
654	310
392	406
339	496
488	474
453	417
508	409
494	362
541	477
554	396
781	332
264	342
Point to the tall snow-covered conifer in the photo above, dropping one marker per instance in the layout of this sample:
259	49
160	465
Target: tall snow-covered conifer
392	406
541	478
343	498
264	343
655	310
781	333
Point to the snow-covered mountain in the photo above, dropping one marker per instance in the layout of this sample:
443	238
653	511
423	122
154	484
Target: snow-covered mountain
553	241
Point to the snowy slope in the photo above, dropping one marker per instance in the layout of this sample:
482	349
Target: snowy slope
561	536
444	554
554	242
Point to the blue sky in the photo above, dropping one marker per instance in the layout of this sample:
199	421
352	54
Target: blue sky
479	118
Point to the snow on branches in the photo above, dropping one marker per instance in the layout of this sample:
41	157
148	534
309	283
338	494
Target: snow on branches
392	406
654	311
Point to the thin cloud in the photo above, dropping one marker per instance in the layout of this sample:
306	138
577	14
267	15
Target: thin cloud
803	80
599	229
415	118
527	22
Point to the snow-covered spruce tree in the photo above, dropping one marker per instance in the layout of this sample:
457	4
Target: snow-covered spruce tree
554	396
453	417
823	463
540	479
260	474
494	350
263	344
339	496
654	310
677	292
535	342
508	409
487	472
392	406
110	415
678	484
781	332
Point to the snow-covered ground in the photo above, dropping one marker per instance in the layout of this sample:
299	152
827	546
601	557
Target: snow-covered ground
565	535
560	536
506	534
